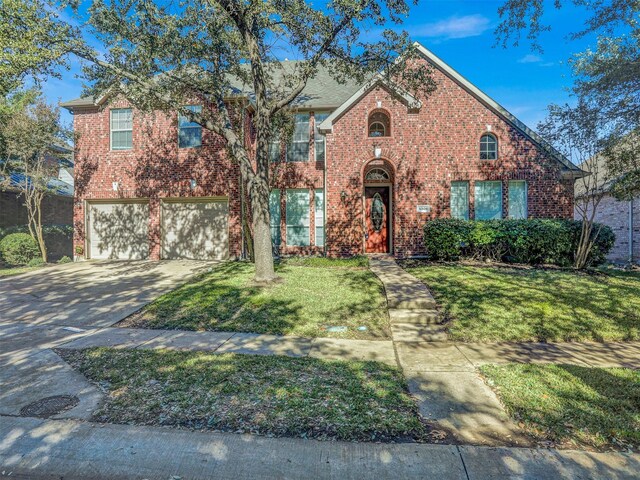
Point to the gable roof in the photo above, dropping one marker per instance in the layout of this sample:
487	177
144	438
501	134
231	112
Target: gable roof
569	168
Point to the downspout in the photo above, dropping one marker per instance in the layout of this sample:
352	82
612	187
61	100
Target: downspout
243	251
326	193
631	232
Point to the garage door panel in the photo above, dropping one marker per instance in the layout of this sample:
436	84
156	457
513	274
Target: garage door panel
119	231
195	230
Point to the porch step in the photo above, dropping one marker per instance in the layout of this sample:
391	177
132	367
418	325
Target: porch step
417	317
415	333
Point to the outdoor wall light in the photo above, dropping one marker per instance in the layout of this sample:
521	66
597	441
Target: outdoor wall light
114	186
377	151
343	195
193	183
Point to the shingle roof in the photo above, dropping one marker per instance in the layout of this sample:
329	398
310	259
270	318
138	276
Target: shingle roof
321	91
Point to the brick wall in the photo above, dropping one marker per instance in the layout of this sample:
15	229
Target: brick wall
154	168
56	210
427	150
615	214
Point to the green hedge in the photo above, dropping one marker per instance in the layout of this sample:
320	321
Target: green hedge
66	230
534	242
19	249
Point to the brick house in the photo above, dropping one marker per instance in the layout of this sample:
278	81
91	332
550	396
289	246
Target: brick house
366	167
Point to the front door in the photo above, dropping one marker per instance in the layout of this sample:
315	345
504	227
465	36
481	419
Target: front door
377	219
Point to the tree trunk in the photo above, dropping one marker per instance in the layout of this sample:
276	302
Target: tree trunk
262	244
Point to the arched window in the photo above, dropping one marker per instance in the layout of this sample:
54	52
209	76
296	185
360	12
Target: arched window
377	174
379	124
488	147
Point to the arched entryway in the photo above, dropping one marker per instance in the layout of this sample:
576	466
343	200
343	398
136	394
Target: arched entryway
378	207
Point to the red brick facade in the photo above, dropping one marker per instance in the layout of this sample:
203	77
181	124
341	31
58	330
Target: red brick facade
428	149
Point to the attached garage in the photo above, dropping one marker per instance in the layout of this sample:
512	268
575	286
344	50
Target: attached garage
118	230
196	229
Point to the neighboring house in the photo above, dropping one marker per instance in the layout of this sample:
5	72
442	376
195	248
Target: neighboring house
622	216
364	171
57	207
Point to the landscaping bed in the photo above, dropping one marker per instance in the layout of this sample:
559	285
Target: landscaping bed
335	299
571	406
521	304
270	395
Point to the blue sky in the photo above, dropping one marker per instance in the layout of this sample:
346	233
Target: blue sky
462	34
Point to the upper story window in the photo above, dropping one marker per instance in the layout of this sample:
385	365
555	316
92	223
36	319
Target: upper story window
318	138
488	147
121	129
298	150
189	133
379	124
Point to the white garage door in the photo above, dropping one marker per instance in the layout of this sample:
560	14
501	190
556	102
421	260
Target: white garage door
119	230
196	230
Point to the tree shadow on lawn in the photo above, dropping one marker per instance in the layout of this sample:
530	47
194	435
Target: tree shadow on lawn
510	304
279	396
573	405
308	300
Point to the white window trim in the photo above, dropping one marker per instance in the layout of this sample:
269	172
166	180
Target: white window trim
318	135
495	139
194	127
111	129
308	140
466	184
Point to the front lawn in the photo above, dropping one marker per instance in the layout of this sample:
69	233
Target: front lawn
272	395
6	271
572	406
493	303
308	302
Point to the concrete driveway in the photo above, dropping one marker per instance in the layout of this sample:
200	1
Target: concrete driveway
46	308
90	294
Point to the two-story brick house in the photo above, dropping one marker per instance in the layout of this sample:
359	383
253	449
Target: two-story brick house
366	167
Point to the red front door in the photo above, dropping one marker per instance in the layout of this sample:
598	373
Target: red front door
377	219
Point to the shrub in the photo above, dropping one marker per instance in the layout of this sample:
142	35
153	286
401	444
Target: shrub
534	241
35	262
19	249
445	239
65	259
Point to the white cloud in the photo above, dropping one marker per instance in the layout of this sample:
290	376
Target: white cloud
530	58
453	27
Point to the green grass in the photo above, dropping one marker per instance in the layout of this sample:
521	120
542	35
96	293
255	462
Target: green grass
307	301
11	271
280	396
572	406
357	261
485	304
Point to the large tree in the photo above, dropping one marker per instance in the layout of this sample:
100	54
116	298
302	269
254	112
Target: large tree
606	75
226	53
30	132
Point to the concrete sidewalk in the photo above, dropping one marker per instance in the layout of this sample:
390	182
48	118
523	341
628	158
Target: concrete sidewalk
233	342
37	449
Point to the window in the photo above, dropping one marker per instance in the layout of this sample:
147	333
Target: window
488	147
377	175
189	133
298	218
488	200
121	129
274	213
318	138
319	206
298	150
275	150
460	200
517	199
379	125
